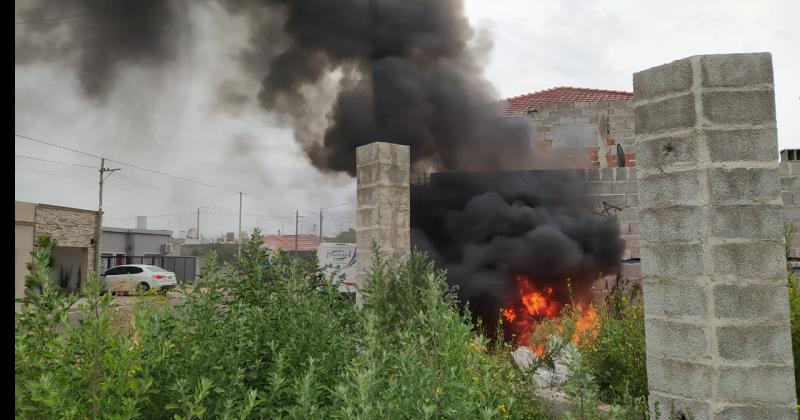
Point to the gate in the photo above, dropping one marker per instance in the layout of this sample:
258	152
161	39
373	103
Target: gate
183	267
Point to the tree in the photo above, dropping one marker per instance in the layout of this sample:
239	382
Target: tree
348	236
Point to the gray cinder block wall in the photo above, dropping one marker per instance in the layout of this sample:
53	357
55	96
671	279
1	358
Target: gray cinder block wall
790	189
383	212
711	224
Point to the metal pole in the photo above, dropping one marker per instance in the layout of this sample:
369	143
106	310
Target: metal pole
99	220
198	226
240	225
296	227
320	225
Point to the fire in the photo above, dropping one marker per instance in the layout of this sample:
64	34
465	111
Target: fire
586	322
536	305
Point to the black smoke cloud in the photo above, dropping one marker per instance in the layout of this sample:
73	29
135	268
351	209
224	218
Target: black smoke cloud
108	37
409	77
487	228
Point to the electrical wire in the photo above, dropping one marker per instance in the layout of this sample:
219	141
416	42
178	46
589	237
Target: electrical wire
54	18
56	161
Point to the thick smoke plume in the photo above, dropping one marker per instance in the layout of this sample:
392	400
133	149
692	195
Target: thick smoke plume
102	37
406	75
487	228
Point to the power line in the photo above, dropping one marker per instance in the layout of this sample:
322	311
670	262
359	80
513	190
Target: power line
158	172
54	18
126	164
56	161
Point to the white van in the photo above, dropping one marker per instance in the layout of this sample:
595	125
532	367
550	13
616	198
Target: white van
339	261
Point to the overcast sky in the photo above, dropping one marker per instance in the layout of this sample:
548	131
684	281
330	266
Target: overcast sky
168	120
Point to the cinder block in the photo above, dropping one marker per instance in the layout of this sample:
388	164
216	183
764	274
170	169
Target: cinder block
785	169
796	197
632	200
761	343
762	262
667	78
742	185
672	113
621	174
749	412
607	174
752	221
736	70
788	198
790	183
749	302
666	298
757	385
667	261
735	145
628	270
669	189
750	107
667	151
687	379
671	224
690	409
791	213
675	339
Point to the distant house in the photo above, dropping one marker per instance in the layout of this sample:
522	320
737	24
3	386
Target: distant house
74	231
123	242
577	127
287	242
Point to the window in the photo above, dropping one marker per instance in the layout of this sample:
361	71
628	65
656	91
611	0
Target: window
134	270
116	271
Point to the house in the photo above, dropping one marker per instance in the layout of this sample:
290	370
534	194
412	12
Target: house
122	242
74	231
287	242
577	127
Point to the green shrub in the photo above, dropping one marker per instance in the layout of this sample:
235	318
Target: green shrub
794	313
250	343
616	357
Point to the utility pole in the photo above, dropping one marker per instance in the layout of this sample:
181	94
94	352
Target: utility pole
198	226
296	227
98	233
320	225
240	225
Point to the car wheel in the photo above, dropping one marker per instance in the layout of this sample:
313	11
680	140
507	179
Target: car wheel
143	287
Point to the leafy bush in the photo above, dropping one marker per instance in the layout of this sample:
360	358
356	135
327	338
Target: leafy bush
253	343
617	357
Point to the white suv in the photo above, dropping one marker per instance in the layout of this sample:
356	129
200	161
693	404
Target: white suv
131	277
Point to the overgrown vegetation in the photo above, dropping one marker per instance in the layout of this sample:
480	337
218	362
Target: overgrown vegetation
250	343
794	308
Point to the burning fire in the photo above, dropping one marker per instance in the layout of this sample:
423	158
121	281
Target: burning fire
536	305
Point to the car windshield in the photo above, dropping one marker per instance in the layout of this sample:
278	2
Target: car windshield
155	269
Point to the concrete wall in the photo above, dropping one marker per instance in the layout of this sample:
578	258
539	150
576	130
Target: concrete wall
790	191
711	224
582	135
24	222
383	212
134	241
70	228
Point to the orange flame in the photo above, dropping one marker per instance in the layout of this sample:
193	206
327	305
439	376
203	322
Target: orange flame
535	305
586	322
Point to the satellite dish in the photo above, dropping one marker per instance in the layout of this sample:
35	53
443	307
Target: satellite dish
620	156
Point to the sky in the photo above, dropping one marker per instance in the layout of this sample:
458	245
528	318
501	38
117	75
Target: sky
168	120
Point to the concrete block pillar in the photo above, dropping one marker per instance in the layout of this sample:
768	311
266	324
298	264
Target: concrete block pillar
384	196
712	246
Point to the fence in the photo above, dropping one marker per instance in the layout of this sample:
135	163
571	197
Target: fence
185	268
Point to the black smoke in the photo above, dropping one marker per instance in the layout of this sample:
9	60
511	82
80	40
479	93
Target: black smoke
406	72
102	38
487	228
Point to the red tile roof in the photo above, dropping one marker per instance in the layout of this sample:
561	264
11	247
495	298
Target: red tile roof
286	242
520	105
